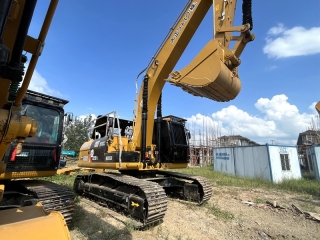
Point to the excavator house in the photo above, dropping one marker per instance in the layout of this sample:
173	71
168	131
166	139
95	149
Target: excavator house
143	150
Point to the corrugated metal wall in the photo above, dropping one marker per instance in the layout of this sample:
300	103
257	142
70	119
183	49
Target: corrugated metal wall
252	162
257	161
313	156
224	160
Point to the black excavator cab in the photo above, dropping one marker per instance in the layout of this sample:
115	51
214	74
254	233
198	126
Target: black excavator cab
174	140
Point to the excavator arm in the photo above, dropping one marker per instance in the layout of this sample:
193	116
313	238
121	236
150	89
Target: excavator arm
15	18
212	74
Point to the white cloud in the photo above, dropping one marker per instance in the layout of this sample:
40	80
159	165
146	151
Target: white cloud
40	84
297	41
281	121
312	107
276	30
272	68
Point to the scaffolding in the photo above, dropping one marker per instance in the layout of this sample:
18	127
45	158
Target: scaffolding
204	139
202	142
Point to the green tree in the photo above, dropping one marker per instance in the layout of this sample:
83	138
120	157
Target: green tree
77	133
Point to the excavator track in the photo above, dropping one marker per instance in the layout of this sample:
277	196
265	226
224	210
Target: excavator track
204	186
52	196
144	201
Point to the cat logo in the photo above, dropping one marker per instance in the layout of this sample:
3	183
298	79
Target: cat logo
133	204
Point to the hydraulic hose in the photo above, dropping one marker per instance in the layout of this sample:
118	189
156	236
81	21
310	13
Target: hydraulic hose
247	13
4	11
144	119
159	118
13	90
22	34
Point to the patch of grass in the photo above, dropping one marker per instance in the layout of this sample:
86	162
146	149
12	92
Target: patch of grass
190	204
102	214
77	217
65	180
161	234
218	212
129	226
179	237
93	227
307	207
308	176
305	186
216	192
260	200
113	234
233	192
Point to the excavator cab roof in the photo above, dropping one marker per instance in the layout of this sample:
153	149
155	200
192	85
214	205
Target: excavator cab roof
174	119
44	98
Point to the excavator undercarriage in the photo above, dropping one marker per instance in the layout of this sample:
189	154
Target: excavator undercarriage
142	196
52	196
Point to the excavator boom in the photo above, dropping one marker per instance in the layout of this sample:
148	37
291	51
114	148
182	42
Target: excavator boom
213	73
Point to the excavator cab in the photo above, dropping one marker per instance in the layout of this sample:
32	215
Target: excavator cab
41	152
174	140
37	157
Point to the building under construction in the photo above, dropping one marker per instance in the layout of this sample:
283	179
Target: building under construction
203	142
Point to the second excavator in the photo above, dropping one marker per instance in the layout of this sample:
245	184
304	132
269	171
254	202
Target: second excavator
144	149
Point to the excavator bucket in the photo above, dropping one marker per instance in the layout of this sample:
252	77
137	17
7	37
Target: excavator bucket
318	107
32	222
207	76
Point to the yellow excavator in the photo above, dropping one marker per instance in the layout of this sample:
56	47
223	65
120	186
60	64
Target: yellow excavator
30	134
144	149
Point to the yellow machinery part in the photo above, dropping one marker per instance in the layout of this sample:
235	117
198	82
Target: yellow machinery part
318	107
32	222
1	191
207	75
12	126
27	174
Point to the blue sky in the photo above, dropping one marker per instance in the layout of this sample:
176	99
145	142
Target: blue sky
95	49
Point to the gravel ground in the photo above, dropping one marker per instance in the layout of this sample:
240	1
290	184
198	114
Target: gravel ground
232	213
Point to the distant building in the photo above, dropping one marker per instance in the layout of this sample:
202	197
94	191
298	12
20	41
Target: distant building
306	139
235	140
309	137
201	151
201	155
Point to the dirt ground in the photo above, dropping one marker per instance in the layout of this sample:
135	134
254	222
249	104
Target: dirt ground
232	213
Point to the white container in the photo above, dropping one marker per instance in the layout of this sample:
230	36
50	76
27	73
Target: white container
269	162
